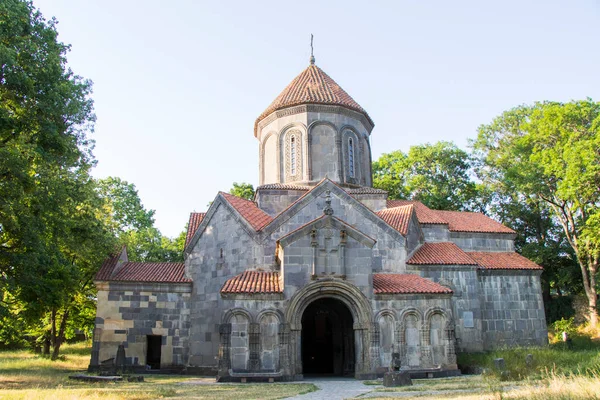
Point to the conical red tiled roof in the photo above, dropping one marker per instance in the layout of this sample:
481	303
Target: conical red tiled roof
312	86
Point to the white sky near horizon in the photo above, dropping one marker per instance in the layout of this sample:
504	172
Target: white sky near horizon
179	84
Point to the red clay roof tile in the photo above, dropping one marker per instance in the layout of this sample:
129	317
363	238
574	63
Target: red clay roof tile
406	284
108	266
195	220
151	272
444	253
312	86
457	221
425	215
462	221
253	282
249	211
502	260
397	217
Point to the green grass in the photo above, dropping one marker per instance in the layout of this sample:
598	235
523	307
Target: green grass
583	359
24	375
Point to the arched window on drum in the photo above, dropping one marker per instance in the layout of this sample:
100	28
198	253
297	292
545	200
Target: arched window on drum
293	145
351	152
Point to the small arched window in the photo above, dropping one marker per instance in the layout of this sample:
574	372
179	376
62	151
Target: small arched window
293	155
351	157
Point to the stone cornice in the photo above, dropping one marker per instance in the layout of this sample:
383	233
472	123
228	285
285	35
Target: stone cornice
306	108
145	286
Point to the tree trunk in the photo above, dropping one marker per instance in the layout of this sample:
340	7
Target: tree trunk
60	335
592	308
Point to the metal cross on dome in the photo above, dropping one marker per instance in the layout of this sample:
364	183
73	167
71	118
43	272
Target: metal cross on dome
312	56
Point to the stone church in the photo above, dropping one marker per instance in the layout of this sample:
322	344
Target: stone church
320	273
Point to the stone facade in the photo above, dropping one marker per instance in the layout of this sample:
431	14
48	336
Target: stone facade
130	312
320	274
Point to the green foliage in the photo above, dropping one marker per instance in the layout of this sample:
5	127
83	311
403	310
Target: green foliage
124	205
243	190
436	174
564	325
149	244
558	308
133	224
548	152
53	232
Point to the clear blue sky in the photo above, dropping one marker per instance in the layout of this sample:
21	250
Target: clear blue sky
178	84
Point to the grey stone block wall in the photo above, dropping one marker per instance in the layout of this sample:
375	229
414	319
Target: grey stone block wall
323	152
127	313
414	237
435	232
375	202
389	252
483	241
275	201
352	260
209	268
466	305
512	308
419	327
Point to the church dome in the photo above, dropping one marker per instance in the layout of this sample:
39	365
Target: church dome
312	86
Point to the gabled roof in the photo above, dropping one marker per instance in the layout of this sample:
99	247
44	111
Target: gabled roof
312	86
255	282
502	260
397	217
151	272
109	265
425	215
462	221
457	221
444	253
337	190
406	284
256	217
194	222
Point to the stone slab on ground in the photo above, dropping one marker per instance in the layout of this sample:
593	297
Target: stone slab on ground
93	378
397	378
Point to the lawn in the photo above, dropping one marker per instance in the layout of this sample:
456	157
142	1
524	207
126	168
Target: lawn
556	373
552	387
24	375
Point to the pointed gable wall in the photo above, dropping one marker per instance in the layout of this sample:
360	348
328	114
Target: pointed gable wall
388	253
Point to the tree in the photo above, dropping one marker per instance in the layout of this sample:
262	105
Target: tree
243	190
124	205
53	234
436	174
133	224
549	151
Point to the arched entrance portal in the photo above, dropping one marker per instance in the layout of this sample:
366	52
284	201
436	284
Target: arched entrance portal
327	338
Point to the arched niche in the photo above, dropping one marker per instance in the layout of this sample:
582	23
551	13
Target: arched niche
239	351
410	338
325	152
386	323
269	322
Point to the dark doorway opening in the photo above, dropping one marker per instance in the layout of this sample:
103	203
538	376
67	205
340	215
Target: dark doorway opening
327	339
153	351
